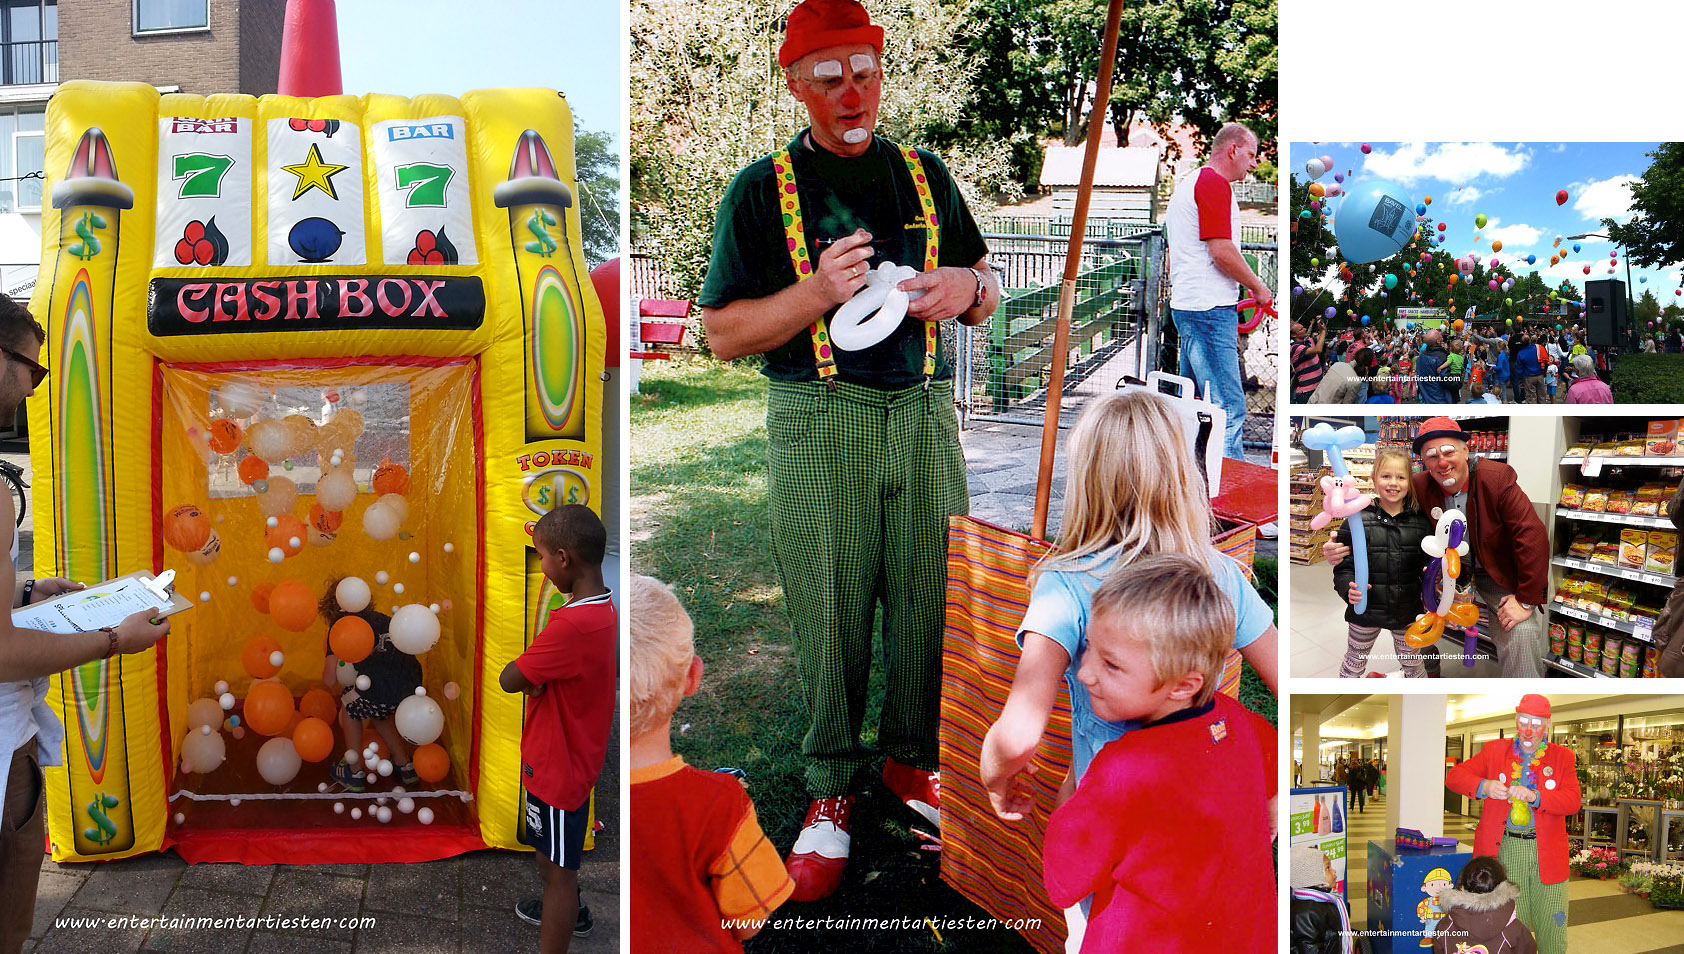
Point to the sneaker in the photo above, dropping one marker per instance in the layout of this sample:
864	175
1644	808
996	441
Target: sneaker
920	790
583	924
531	910
348	777
406	772
821	850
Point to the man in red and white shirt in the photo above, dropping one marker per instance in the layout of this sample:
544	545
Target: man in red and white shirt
1206	270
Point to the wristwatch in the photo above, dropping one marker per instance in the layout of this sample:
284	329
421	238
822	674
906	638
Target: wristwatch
981	287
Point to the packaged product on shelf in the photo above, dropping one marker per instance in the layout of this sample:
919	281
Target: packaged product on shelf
1572	497
1593	643
1634	546
1663	551
1503	441
1662	440
1631	447
1596	500
1558	638
1583	545
1649	499
1651	662
1580	448
1604	449
1575	652
1575	634
1621	501
1610	656
1607	551
1631	659
1619	602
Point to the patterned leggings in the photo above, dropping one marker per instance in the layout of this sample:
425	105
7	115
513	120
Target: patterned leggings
1542	907
1360	643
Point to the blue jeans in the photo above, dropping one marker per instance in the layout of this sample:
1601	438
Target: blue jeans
1210	345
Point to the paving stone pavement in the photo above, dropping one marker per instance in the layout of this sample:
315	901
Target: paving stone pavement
461	905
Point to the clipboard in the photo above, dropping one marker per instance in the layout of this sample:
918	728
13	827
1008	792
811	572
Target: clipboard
104	604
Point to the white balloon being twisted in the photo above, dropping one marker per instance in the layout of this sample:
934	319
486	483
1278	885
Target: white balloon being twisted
876	310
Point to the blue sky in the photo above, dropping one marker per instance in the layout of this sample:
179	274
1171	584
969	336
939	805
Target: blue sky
1514	186
430	46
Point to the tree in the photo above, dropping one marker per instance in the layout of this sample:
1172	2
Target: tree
1648	309
597	174
1655	233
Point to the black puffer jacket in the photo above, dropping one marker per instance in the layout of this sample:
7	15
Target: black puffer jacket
1316	928
1396	564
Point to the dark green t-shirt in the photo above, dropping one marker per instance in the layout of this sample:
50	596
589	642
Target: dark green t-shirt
838	194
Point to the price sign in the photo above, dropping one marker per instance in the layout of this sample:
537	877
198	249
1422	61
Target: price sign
1592	467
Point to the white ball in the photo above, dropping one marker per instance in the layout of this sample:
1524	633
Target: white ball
278	761
356	813
276	659
424	816
226	701
294	542
272	523
384	768
276	554
352	594
384	814
397	588
233	580
351	757
339	808
406	805
204	596
380	523
337	489
234	802
363	683
221	686
414	628
419	719
321	786
398	789
414	557
380	801
373	777
204	730
381	578
240	397
280	498
434	608
180	819
396	504
452	690
205	750
450	548
359	397
204	712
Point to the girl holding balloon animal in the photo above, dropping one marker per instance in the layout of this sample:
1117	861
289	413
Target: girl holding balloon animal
374	674
1394	528
1133	490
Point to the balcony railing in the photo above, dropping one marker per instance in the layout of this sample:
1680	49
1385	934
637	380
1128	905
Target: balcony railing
35	61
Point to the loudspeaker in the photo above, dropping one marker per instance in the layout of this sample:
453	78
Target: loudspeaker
1605	313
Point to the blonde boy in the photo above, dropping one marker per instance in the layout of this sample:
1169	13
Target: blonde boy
703	875
1175	813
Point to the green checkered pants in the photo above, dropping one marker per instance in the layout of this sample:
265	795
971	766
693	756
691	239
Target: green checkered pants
860	485
1542	907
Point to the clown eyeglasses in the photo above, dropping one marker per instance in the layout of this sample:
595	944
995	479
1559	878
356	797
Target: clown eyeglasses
37	374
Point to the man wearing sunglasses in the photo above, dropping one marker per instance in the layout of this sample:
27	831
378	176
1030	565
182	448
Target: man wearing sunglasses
28	729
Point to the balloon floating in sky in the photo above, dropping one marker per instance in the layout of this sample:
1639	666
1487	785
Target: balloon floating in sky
1496	246
1479	221
1575	246
1391	281
1561	197
1531	259
1315	168
1373	223
1366	149
1642	279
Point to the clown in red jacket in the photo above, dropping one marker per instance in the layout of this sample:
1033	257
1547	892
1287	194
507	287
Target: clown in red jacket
1528	787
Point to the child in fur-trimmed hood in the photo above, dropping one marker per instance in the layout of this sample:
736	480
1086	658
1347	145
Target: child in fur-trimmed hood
1481	913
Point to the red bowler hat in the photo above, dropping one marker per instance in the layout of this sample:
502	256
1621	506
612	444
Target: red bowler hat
816	24
1437	427
1533	704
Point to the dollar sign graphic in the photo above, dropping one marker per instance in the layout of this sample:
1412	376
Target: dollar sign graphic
104	829
544	497
89	246
545	245
572	495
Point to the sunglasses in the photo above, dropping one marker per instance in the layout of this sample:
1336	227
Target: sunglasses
37	374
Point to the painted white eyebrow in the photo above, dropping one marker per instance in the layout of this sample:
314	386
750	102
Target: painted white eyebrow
862	62
827	68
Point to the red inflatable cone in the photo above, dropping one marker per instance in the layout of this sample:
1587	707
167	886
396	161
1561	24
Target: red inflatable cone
310	50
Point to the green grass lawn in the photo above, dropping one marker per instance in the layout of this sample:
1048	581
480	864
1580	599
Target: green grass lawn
698	518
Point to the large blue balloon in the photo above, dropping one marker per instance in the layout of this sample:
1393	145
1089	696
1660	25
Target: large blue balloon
1374	222
1531	259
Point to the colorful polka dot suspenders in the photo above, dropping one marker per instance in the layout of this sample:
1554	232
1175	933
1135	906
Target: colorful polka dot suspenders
795	235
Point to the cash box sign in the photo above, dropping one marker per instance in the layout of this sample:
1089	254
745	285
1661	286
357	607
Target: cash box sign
179	307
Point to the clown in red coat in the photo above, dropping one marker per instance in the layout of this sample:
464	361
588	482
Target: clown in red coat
1528	787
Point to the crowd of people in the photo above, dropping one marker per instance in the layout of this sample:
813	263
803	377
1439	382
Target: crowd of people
1526	364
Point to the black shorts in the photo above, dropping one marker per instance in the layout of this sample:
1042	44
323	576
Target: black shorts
556	834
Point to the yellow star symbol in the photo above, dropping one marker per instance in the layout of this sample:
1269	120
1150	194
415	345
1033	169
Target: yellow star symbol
313	173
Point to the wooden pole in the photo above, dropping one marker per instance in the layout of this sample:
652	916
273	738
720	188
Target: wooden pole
1072	266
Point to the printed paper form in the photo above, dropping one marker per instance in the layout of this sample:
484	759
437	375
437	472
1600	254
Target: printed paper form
106	604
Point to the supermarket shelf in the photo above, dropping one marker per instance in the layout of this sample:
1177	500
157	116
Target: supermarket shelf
1626	461
1627	519
1577	669
1624	573
1493	455
1609	622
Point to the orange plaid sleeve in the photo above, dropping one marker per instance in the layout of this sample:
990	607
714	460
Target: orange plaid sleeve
748	878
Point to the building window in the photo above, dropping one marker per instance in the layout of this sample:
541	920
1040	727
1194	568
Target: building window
21	153
28	41
151	15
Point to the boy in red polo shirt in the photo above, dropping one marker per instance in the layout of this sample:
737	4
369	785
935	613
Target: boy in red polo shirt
703	876
569	670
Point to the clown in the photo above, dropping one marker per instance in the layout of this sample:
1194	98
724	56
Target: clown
1528	788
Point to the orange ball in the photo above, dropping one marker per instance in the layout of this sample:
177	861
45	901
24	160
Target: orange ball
255	656
323	520
287	528
351	639
186	529
313	739
253	468
268	707
292	606
432	763
318	703
260	596
390	478
225	435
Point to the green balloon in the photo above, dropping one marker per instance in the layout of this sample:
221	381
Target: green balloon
1479	221
1315	263
1509	302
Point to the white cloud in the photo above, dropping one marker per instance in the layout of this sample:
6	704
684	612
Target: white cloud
1450	161
1520	234
1559	148
1604	198
1465	196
